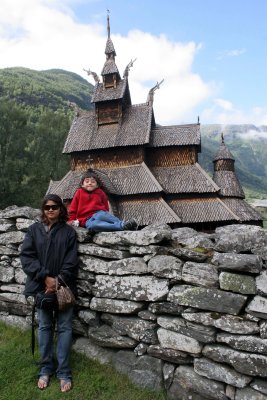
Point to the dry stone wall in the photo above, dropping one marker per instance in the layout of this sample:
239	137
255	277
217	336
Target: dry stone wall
171	308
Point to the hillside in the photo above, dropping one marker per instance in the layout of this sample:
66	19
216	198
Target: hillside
248	144
52	88
35	119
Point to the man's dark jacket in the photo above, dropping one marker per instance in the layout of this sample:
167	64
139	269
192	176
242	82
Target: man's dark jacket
49	254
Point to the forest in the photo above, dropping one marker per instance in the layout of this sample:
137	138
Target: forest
34	121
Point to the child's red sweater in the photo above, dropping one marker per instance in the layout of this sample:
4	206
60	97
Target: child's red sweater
84	204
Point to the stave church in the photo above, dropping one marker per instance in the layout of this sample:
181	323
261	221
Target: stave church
150	172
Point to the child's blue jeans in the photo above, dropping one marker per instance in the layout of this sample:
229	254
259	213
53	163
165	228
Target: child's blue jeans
103	221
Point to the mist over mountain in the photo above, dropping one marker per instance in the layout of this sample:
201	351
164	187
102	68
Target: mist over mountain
248	144
35	120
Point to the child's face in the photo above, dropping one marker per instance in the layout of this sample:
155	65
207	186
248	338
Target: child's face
89	184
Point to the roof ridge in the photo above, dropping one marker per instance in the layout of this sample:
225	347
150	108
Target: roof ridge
152	176
172	126
207	176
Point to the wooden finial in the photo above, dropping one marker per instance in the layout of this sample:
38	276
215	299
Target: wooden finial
94	75
150	97
74	106
108	25
126	71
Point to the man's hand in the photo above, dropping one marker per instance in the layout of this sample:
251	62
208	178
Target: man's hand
50	284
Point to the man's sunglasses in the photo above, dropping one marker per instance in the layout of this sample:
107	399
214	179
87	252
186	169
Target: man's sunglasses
52	207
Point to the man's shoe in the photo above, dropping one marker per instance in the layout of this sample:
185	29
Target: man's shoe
130	225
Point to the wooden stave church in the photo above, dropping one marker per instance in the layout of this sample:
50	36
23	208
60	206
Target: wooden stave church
150	172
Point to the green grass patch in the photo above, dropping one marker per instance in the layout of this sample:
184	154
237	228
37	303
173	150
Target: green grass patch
91	380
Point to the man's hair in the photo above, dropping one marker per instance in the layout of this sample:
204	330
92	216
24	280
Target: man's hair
63	214
89	174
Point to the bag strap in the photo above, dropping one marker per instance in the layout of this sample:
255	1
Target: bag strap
33	333
33	327
60	277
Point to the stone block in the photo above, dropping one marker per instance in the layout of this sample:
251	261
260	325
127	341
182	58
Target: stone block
237	283
207	299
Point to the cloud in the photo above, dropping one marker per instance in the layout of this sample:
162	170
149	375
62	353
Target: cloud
225	104
225	112
44	34
231	53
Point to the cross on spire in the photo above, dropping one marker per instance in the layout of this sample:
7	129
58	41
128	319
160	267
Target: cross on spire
89	160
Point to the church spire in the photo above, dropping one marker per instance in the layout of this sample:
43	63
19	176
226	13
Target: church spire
108	25
110	72
224	172
223	153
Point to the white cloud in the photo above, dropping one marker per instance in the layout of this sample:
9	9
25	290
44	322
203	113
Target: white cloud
231	53
225	104
43	34
224	112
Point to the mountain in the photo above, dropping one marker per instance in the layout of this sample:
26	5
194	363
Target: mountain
52	88
35	120
248	144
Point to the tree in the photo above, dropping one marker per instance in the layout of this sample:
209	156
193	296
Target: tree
31	142
45	159
13	122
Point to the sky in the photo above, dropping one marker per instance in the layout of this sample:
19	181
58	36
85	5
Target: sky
212	54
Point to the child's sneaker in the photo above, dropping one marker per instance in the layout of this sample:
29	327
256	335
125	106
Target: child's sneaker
130	225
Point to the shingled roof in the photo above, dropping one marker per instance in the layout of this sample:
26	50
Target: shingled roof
184	179
147	211
103	94
228	183
71	182
223	153
110	67
242	209
133	130
175	135
199	210
126	180
110	47
67	186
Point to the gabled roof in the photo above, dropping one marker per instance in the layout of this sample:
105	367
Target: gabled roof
175	135
185	179
228	183
126	180
147	211
103	94
199	210
133	130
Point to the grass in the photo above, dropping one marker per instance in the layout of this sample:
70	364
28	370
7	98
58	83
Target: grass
92	381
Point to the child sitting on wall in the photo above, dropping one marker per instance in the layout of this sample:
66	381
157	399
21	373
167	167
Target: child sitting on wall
89	208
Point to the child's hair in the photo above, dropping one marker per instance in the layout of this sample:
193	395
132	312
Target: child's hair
89	174
63	214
